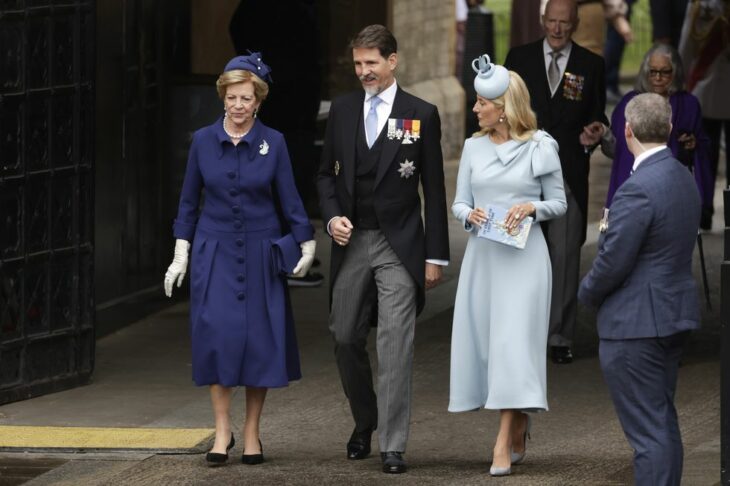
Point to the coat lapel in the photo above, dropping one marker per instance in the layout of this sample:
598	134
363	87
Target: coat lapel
571	67
541	96
401	109
350	126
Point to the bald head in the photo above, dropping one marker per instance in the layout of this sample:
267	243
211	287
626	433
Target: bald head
559	22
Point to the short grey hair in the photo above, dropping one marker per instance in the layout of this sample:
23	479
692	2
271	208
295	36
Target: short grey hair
650	117
642	80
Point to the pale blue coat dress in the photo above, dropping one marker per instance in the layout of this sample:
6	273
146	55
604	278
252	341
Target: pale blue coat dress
499	335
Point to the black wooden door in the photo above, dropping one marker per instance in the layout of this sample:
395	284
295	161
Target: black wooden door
46	196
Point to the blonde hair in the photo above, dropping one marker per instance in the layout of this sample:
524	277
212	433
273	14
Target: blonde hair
521	120
260	88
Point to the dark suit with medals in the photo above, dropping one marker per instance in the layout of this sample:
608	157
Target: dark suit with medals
377	189
642	283
579	99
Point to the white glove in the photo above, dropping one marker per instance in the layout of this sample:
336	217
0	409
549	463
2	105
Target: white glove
176	270
305	263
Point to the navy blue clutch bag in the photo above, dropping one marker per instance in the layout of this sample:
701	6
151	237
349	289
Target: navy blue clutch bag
285	254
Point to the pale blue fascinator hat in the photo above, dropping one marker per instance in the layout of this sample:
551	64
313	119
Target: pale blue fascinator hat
492	80
252	63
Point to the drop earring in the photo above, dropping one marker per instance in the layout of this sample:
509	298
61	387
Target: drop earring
255	112
501	118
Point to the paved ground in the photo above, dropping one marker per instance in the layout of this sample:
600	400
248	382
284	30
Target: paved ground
142	378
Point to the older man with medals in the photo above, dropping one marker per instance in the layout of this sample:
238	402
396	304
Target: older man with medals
568	94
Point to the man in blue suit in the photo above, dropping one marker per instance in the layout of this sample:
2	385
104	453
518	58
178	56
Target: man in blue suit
642	283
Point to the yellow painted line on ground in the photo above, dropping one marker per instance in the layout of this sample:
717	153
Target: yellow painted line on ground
12	436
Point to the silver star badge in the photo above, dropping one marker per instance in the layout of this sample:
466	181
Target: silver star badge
406	169
264	148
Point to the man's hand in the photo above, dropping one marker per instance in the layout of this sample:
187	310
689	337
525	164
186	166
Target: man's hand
591	134
433	275
341	230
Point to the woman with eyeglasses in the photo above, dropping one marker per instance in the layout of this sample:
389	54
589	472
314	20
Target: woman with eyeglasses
661	72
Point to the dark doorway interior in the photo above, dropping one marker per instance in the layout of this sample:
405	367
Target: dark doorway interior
46	197
98	101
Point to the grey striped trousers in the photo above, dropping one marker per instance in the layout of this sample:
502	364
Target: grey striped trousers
372	274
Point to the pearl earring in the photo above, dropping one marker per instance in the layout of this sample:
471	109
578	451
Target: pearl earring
501	118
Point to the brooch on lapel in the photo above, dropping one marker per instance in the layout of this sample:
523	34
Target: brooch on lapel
573	86
337	167
406	130
264	148
406	169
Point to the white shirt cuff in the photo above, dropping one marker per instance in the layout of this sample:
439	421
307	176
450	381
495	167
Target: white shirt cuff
329	223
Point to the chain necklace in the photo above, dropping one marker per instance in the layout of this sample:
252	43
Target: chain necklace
232	135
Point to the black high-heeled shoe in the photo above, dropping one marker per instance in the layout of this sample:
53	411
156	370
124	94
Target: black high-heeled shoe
216	458
253	459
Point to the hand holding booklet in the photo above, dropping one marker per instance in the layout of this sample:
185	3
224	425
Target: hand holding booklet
494	228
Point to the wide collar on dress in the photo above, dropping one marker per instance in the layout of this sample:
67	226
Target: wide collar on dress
509	150
542	152
253	139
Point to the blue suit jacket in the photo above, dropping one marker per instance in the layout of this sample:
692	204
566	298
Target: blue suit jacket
642	276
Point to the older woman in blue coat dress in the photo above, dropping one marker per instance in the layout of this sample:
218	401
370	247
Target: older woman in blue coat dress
241	324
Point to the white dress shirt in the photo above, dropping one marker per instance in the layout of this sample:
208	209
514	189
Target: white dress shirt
645	154
387	96
562	60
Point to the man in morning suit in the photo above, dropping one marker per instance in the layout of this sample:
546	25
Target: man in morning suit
379	144
568	94
642	283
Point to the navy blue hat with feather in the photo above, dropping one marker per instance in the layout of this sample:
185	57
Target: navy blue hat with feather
252	63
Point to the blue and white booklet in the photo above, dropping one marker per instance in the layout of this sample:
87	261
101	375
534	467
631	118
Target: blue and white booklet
494	229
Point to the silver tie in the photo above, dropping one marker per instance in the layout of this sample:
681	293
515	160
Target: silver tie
371	121
554	71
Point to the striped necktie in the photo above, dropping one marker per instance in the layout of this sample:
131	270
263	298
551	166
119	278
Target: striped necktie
554	71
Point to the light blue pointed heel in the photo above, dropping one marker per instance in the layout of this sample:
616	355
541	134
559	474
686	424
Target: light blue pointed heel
518	457
500	471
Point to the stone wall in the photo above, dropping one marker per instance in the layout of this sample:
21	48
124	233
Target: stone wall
426	35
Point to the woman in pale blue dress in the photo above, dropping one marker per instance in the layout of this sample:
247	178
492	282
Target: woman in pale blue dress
499	336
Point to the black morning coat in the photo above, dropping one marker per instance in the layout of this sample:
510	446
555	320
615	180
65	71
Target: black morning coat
396	200
564	115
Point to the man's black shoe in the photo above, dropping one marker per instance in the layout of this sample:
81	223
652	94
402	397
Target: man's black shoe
393	462
311	279
561	354
358	447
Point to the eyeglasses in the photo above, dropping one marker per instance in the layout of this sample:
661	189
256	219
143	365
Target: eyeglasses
662	73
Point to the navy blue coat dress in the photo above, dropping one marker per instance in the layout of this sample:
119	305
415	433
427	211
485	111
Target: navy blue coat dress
241	324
